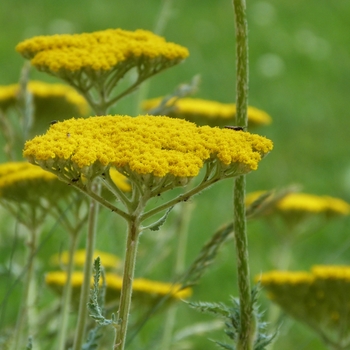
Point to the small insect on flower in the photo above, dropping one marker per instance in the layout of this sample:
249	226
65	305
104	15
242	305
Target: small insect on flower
53	122
236	128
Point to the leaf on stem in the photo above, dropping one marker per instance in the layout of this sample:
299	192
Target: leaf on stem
159	223
97	296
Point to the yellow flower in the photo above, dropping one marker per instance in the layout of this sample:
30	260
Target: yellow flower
313	204
96	62
141	286
29	193
107	260
23	182
319	298
304	203
98	51
145	147
207	112
49	99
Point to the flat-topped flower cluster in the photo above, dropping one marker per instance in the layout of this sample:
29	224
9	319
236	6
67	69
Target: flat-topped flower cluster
97	51
24	182
303	203
144	145
320	298
46	97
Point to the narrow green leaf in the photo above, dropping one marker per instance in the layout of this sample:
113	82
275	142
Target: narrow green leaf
157	225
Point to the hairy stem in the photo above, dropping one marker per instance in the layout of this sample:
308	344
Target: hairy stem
85	289
128	277
247	327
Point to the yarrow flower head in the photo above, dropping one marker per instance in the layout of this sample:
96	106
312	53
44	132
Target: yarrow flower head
25	189
55	99
147	149
141	287
302	203
109	261
23	182
50	102
100	59
319	298
206	112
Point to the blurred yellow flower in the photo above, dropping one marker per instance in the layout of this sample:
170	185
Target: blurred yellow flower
23	182
29	193
107	260
58	100
319	298
207	112
303	203
314	204
141	286
146	146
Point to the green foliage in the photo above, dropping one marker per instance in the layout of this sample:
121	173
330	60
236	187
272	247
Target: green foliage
205	257
97	297
92	339
181	91
155	226
29	344
267	200
231	316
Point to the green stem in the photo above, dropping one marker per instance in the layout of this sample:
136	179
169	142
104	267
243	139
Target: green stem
128	277
247	326
66	297
182	230
246	336
181	198
85	289
242	68
28	297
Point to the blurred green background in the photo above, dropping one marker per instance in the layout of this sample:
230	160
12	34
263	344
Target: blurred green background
299	74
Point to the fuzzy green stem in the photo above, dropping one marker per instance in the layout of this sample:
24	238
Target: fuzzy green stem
242	68
85	289
247	326
246	336
66	296
128	277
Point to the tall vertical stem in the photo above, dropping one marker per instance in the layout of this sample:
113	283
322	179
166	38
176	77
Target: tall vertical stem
85	289
66	296
182	234
246	336
128	277
242	67
25	326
